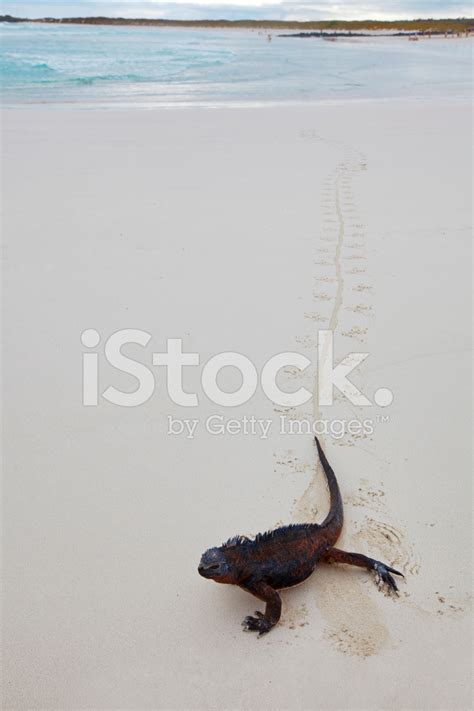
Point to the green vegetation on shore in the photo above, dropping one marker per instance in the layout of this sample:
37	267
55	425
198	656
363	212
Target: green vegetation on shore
419	26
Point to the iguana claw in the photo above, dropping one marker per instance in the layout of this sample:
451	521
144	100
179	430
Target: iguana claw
258	624
382	575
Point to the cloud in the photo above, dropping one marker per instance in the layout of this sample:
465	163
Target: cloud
241	9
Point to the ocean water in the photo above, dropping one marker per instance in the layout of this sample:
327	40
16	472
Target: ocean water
90	65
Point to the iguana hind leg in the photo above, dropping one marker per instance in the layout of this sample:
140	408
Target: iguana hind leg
382	571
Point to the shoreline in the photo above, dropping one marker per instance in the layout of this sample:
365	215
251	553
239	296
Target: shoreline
428	27
137	106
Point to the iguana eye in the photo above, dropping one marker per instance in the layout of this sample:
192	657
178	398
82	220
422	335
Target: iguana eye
213	567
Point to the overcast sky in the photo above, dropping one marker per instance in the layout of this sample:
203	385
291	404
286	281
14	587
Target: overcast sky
241	9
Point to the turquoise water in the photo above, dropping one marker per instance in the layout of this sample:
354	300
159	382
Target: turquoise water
147	66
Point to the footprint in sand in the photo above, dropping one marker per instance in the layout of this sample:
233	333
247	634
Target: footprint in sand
307	342
360	309
388	542
345	640
354	257
366	497
314	316
289	460
294	616
321	296
446	607
356	333
361	288
326	279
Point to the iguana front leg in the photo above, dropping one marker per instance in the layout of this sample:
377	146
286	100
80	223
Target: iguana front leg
263	623
382	571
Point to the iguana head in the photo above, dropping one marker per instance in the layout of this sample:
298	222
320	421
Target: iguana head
214	565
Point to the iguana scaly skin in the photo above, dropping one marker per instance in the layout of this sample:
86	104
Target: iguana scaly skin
285	557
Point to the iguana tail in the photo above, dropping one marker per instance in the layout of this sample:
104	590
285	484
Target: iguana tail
335	518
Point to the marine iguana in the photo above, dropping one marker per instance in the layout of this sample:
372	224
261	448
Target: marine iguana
285	557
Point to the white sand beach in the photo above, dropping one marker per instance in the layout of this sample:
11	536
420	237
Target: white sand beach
243	230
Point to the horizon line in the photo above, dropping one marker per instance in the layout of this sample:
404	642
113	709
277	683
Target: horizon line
249	19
